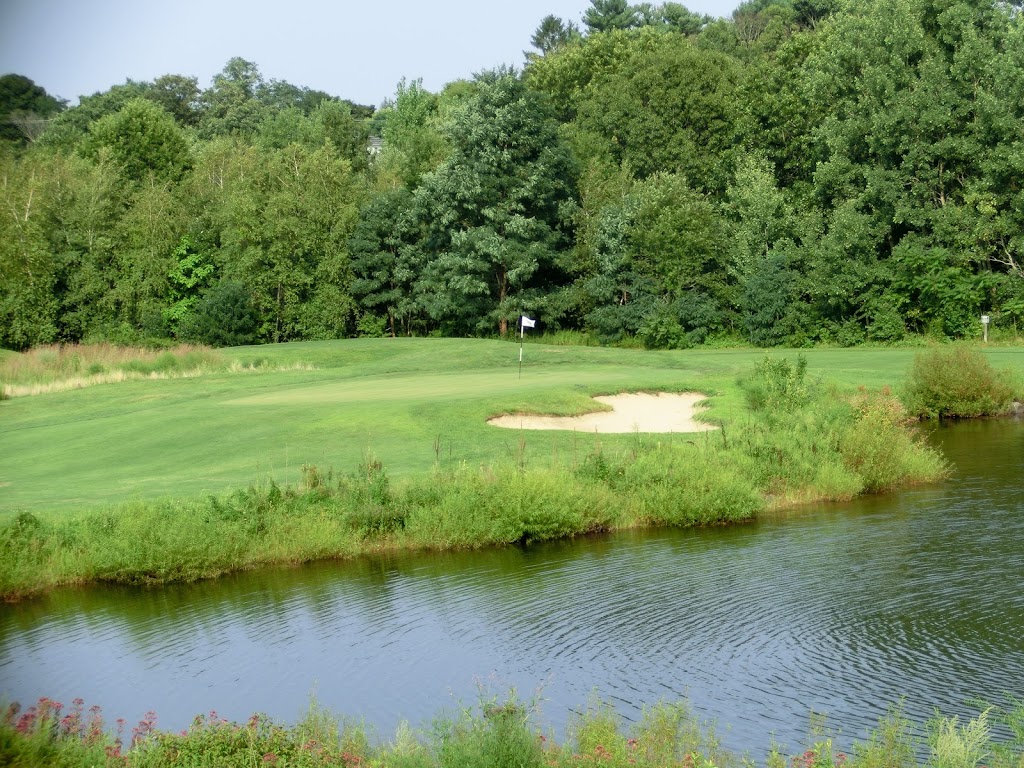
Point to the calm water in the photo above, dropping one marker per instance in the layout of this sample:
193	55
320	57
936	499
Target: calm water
840	609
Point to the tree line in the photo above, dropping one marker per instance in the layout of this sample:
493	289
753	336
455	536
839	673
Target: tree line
806	171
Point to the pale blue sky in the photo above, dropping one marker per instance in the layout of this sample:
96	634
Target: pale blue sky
356	49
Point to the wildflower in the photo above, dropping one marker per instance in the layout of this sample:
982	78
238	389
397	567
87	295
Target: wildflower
27	721
145	727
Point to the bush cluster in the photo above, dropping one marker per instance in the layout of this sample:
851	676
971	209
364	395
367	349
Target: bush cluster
958	381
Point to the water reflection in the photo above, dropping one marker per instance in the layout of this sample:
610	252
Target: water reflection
841	609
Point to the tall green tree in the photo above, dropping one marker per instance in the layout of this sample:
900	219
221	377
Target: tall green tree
83	206
411	133
605	15
552	33
147	235
387	262
667	107
28	272
179	96
916	126
142	140
284	228
229	106
498	209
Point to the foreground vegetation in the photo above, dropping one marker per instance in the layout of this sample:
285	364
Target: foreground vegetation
494	734
793	439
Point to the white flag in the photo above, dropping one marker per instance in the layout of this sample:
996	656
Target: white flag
527	322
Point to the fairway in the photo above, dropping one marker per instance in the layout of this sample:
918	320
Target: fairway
410	403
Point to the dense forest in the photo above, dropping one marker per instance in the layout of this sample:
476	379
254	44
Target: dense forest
806	171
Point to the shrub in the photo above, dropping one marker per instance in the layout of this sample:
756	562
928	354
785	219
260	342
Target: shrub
882	451
501	736
957	381
683	486
224	317
777	385
959	746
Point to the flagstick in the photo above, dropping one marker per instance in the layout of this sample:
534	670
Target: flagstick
522	332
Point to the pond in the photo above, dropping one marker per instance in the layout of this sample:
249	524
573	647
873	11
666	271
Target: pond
838	609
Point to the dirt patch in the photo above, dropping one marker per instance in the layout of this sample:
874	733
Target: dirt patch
631	412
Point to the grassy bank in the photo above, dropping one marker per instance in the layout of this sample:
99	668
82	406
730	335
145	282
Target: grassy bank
793	439
493	734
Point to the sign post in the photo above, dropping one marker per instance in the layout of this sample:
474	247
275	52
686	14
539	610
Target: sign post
984	327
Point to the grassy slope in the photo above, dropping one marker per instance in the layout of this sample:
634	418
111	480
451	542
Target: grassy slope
391	397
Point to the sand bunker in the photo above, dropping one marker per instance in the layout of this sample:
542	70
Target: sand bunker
636	412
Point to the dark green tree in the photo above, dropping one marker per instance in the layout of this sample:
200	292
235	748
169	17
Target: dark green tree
24	109
224	317
669	106
387	262
658	271
605	15
771	314
552	34
681	19
498	210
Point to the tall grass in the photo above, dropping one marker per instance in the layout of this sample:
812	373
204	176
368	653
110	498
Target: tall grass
813	447
495	733
60	367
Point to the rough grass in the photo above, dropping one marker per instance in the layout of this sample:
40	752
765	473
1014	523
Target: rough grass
61	367
495	733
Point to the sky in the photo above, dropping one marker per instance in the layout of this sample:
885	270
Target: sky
356	49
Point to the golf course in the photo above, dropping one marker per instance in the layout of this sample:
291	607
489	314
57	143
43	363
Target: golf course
386	442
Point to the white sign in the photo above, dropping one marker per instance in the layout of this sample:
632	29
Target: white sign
984	319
